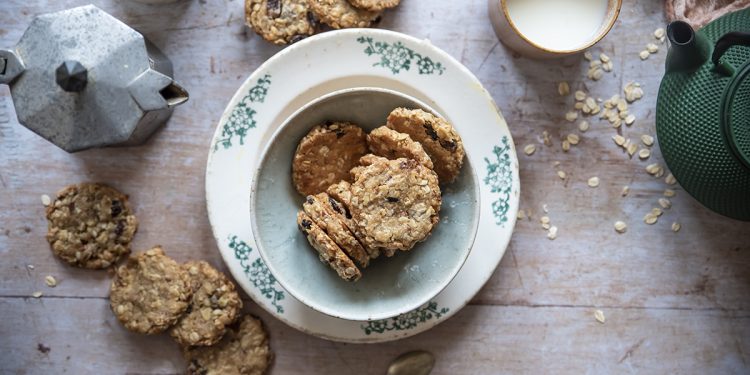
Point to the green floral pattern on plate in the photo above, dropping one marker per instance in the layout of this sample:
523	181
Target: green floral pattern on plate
242	118
500	180
405	321
258	273
397	57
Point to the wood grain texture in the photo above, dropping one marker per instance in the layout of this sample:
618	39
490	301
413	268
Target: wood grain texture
675	302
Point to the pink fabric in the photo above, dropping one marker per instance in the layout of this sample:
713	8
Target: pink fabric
700	12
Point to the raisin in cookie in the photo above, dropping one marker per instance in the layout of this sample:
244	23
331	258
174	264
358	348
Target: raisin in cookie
323	210
340	14
149	292
325	156
375	5
215	305
90	225
391	144
394	203
244	350
328	251
438	137
280	21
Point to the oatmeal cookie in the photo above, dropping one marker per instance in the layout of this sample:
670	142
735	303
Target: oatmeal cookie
438	137
391	144
328	251
90	225
280	21
149	292
325	156
215	305
375	5
340	14
244	350
326	213
394	203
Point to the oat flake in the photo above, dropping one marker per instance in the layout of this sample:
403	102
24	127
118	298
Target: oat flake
599	316
620	227
529	149
593	182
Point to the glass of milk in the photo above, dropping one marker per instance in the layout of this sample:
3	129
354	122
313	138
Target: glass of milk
552	28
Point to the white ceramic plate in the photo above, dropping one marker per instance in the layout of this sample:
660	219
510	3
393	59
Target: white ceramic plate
357	58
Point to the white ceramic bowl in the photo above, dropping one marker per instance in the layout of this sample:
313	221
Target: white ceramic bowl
389	286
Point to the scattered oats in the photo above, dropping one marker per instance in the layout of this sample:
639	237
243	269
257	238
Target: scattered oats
665	203
619	140
578	106
571	116
593	182
544	208
552	232
545	226
656	211
544	219
652	48
563	88
50	281
588	56
583	126
676	227
625	191
545	138
595	64
597	74
644	153
622	105
644	54
627	144
662	39
659	33
556	164
561	174
623	115
604	58
608	66
647	140
632	148
650	219
565	145
620	227
616	123
36	294
529	149
599	316
580	96
654	169
591	102
670	180
669	193
633	91
46	200
30	266
521	215
630	119
573	139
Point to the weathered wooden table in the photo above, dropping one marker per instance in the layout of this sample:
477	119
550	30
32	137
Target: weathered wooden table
674	302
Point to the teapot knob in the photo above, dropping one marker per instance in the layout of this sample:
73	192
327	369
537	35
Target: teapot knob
71	76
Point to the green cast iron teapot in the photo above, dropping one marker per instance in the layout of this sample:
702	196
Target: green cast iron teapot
703	112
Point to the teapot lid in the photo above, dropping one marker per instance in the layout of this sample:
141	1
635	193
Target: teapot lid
81	78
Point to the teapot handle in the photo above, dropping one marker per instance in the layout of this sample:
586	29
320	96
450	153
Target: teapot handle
723	44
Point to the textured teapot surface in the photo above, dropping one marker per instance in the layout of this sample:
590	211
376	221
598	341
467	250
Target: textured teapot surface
703	113
80	78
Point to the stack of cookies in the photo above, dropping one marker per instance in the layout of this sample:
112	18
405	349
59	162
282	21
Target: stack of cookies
197	305
92	225
377	193
287	21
